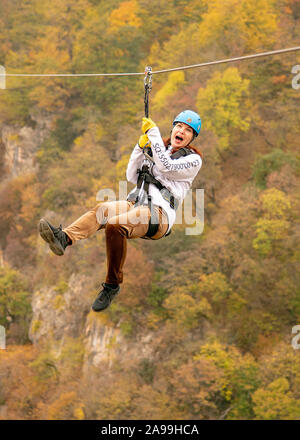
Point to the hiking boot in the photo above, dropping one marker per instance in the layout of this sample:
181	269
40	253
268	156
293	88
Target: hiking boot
55	237
105	297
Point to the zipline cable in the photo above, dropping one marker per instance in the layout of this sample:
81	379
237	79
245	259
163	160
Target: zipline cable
193	66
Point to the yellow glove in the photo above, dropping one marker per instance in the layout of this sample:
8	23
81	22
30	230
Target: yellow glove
144	141
147	124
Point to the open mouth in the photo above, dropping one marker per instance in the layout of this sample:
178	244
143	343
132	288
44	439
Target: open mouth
178	138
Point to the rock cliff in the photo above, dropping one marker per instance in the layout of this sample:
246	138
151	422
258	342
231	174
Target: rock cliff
19	145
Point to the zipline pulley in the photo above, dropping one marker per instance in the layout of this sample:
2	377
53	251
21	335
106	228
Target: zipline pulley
148	87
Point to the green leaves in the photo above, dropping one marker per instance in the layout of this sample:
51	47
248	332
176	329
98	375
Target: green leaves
267	163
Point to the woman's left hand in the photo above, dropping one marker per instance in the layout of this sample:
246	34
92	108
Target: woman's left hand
144	141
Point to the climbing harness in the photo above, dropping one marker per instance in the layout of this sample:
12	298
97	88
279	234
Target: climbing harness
141	195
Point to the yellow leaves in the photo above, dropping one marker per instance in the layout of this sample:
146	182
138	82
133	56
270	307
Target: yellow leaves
124	15
221	104
99	131
250	23
116	398
215	286
79	141
259	22
185	311
170	87
236	304
267	231
63	407
79	413
274	224
275	203
93	134
154	321
238	373
275	401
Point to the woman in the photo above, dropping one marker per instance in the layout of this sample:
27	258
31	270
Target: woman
150	209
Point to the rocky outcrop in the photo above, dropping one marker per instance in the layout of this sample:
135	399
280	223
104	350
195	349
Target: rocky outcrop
19	145
104	344
58	315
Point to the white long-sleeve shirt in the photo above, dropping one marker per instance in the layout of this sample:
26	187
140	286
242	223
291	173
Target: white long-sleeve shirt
176	175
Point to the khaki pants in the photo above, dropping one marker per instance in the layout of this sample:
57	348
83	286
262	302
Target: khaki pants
121	221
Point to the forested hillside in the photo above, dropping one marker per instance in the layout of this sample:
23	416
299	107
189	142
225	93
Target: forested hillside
202	328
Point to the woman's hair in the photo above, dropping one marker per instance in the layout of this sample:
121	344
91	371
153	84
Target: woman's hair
167	142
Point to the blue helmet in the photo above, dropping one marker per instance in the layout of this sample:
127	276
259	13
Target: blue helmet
190	118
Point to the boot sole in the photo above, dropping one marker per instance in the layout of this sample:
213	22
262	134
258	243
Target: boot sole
47	235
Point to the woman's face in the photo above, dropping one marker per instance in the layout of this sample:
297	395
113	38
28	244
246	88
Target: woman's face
182	134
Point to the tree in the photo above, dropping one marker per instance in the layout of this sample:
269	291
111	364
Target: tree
275	402
239	378
267	163
175	80
220	105
184	310
238	25
274	225
124	15
15	307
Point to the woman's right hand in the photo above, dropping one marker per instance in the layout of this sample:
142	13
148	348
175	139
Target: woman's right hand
147	124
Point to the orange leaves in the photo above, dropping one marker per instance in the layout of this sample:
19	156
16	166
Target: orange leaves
279	79
66	407
18	395
195	385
